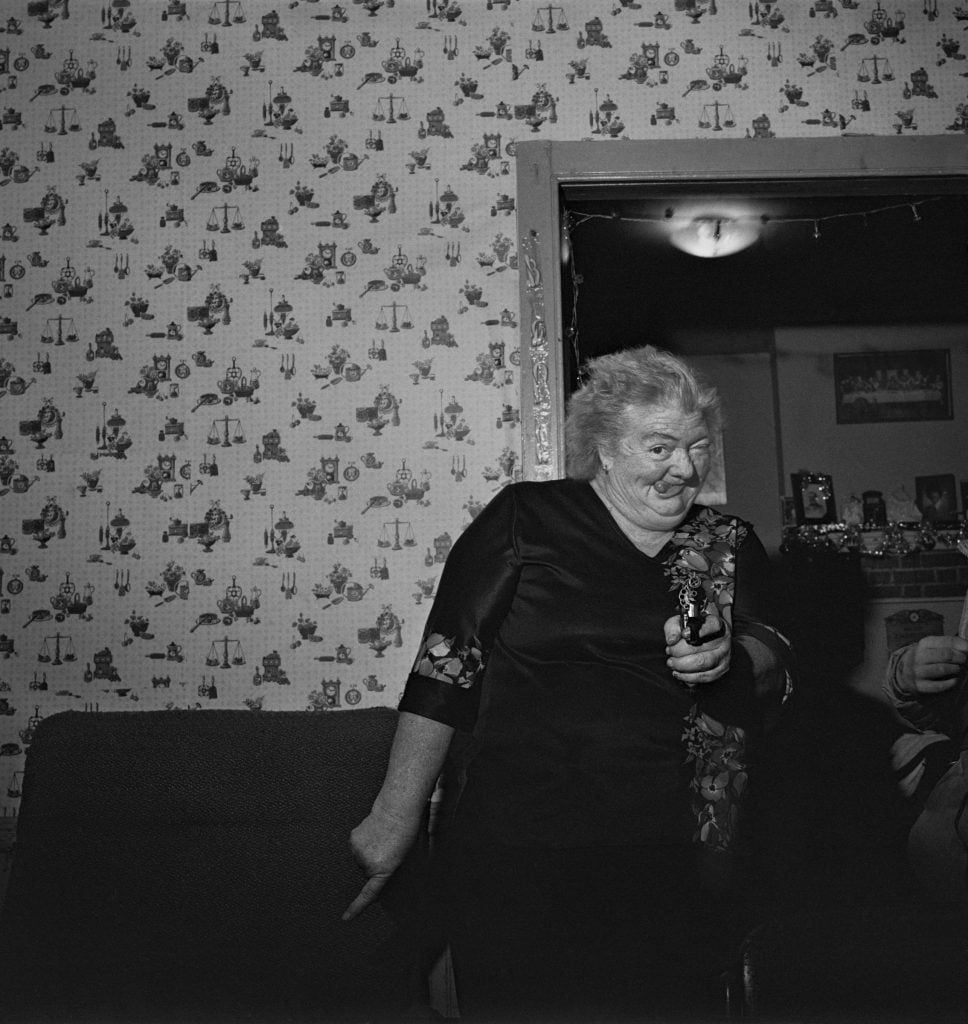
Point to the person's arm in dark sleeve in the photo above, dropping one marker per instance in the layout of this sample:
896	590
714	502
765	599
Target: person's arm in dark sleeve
924	683
762	658
442	691
475	592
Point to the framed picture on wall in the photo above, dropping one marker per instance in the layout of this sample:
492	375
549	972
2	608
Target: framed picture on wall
813	498
936	497
893	387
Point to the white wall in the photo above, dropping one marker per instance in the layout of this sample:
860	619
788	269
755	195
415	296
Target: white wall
866	456
745	384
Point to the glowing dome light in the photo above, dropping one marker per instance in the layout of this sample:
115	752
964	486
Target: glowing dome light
712	236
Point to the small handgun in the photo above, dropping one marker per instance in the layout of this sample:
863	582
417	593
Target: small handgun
692	614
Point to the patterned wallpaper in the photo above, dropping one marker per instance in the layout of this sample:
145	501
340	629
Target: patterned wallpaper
258	303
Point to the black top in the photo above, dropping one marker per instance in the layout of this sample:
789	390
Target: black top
546	639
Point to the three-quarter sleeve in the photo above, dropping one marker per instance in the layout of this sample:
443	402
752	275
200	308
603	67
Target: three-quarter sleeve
475	592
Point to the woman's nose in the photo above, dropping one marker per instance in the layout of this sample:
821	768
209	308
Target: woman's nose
682	464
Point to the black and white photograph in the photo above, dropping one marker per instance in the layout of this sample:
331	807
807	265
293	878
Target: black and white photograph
405	611
892	387
936	496
813	498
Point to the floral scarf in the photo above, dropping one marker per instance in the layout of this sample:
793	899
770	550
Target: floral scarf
705	554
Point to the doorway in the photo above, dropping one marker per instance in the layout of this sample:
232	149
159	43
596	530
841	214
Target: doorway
854	231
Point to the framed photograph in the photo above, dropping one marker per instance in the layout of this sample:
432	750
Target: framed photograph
936	497
813	498
893	387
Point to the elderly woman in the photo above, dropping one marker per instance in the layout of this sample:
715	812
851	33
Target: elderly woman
608	643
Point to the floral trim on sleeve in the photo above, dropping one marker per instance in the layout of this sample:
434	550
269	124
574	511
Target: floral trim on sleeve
439	657
705	549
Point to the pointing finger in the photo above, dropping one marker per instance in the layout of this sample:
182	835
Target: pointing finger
368	894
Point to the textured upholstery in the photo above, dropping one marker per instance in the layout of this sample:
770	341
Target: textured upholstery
898	963
193	865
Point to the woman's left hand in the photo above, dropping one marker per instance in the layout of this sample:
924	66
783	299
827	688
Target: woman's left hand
704	663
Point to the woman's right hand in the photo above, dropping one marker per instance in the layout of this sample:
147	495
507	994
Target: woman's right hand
932	665
379	844
698	663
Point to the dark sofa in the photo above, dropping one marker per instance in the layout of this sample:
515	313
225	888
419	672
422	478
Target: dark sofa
192	866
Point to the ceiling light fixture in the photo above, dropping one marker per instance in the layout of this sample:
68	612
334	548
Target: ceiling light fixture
712	236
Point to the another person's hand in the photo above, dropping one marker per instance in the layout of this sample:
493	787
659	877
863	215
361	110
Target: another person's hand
932	665
703	664
379	843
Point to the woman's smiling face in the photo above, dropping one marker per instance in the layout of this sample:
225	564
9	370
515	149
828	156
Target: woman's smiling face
659	466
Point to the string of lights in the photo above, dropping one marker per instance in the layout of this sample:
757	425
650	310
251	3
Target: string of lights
573	219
